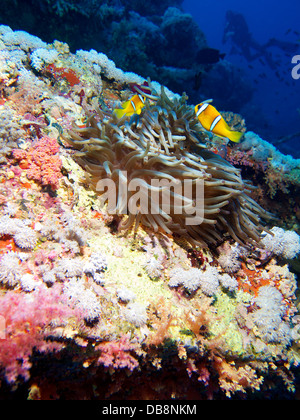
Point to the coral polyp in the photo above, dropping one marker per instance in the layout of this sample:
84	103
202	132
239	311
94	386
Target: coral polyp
162	147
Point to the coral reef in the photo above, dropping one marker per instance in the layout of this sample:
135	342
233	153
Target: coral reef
153	32
90	311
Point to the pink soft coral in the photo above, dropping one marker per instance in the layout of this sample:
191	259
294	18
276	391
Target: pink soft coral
41	161
25	317
116	354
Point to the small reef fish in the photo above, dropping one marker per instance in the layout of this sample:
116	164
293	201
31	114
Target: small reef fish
131	107
212	120
209	56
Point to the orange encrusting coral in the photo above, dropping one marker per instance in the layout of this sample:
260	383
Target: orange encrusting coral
63	73
7	244
254	280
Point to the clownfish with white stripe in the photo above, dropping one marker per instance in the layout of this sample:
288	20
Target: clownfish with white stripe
131	107
213	121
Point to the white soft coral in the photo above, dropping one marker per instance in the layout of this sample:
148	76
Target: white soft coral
285	243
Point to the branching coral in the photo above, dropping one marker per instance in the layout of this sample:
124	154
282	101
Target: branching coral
163	144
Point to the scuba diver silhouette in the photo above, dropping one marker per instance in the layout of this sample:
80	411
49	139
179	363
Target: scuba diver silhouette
236	30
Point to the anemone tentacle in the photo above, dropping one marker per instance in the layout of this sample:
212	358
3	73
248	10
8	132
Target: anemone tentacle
164	142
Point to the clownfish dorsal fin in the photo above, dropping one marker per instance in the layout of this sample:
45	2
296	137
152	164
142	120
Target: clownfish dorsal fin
125	104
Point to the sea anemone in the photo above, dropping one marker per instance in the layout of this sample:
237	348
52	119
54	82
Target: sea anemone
165	142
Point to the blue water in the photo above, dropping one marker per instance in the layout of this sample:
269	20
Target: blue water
272	112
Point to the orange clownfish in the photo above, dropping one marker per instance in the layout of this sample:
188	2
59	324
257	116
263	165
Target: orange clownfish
213	121
133	106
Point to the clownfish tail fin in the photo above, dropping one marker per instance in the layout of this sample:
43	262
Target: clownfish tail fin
235	136
119	112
